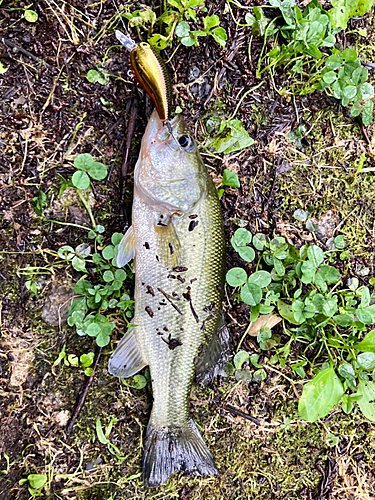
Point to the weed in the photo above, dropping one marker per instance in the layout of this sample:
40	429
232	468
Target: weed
84	361
36	483
178	16
308	36
325	319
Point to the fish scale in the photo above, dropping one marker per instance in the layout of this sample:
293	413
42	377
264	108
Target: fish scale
177	239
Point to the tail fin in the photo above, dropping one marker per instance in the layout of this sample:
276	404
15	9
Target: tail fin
175	449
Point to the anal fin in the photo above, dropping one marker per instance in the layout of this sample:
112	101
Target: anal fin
126	248
215	356
127	359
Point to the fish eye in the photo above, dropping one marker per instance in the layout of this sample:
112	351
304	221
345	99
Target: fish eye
184	141
144	45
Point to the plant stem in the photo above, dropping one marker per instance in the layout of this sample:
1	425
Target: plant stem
87	206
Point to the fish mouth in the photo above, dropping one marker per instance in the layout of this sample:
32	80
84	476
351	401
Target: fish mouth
158	133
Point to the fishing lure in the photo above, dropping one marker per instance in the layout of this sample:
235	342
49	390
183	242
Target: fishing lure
151	73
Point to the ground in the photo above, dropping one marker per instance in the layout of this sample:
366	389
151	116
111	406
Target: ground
51	113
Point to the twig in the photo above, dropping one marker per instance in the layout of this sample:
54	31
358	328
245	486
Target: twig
128	143
239	413
83	394
24	51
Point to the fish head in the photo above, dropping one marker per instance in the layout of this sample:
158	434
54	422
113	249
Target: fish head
169	172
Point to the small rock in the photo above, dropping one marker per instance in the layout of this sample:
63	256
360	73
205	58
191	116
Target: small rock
57	304
193	73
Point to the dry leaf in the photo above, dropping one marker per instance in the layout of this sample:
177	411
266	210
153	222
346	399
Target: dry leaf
265	320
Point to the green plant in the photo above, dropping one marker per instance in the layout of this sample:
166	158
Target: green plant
308	36
103	437
229	179
98	75
84	361
89	312
177	16
228	135
30	15
36	484
343	10
325	319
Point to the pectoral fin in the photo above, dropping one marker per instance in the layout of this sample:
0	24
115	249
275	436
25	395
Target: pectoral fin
215	357
126	248
168	244
127	359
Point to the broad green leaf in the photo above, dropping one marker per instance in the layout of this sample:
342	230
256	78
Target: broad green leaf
330	77
350	92
241	238
366	403
116	238
346	370
368	112
230	179
83	161
366	360
120	275
108	252
259	241
220	36
37	481
80	180
240	359
330	306
97	171
87	359
93	330
365	297
251	294
246	253
108	276
365	316
79	264
285	311
102	339
367	344
31	17
210	22
343	10
236	276
138	382
343	319
260	278
315	254
279	266
182	29
83	250
329	274
320	395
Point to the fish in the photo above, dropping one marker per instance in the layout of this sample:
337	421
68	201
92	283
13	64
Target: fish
151	73
177	242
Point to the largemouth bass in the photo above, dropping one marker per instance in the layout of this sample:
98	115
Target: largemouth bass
177	240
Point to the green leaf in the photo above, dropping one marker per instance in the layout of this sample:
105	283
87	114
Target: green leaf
301	215
93	330
236	276
39	203
346	371
279	267
246	253
83	161
334	61
350	91
182	29
108	252
315	255
260	278
100	432
330	77
80	180
120	275
366	403
210	22
320	395
365	296
97	171
251	294
31	16
230	179
116	238
240	359
240	238
343	10
87	359
330	306
365	316
349	55
102	339
329	274
367	344
138	382
220	36
366	360
83	250
367	112
79	264
108	276
259	241
339	242
37	481
286	311
343	319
